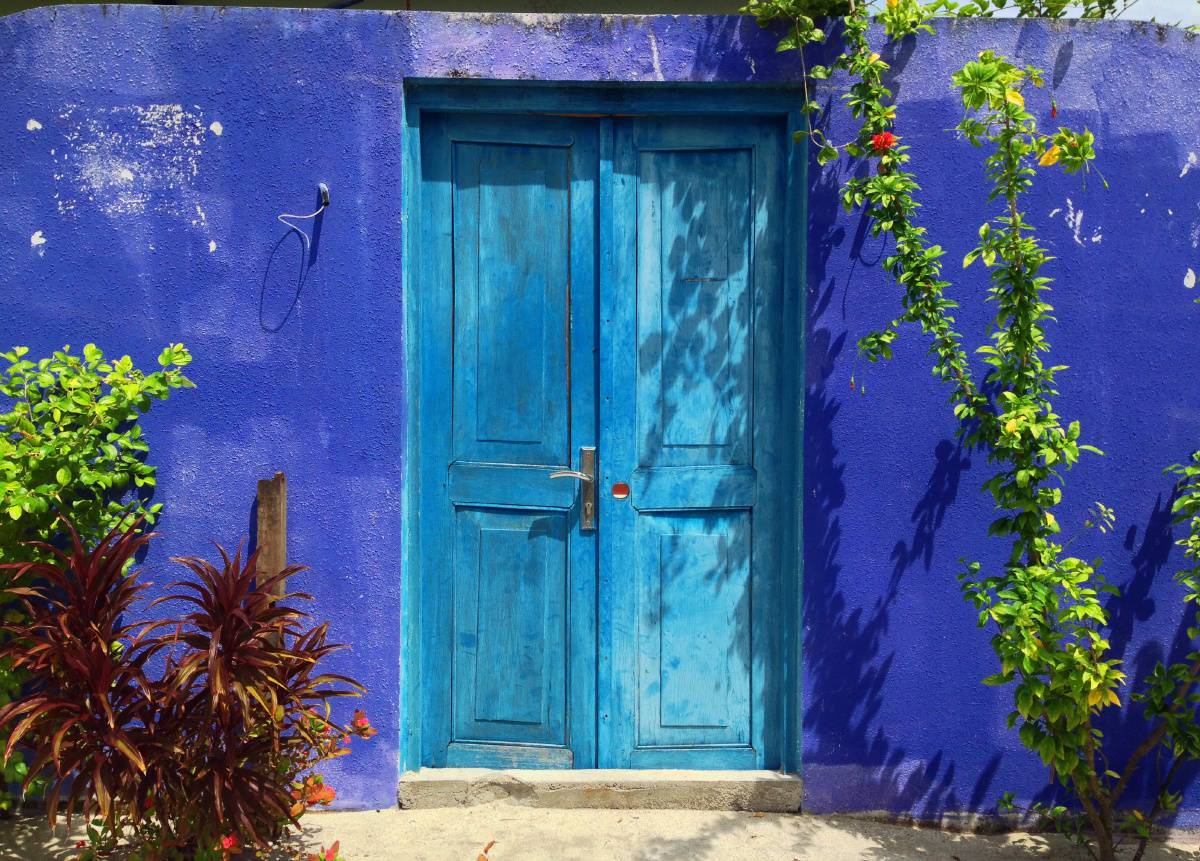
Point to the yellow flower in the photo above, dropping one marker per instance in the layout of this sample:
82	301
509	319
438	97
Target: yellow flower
1050	156
891	4
1015	97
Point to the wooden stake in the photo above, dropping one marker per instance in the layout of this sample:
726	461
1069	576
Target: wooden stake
272	528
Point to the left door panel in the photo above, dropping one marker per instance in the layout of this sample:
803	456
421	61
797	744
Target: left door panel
507	309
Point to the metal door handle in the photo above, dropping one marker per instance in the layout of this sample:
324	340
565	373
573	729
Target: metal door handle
586	474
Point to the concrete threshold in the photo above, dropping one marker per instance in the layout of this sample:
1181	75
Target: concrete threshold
609	789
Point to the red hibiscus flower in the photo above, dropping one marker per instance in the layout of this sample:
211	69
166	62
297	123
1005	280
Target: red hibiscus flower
882	142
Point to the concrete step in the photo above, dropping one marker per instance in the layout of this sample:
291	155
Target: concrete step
757	791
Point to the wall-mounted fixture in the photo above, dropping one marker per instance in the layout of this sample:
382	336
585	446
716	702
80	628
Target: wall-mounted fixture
323	189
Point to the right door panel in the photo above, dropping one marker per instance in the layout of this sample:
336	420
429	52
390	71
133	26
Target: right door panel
690	420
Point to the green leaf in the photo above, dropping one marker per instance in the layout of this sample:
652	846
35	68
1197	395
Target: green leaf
63	475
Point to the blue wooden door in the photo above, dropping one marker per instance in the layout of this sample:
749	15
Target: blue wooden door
508	298
615	283
693	410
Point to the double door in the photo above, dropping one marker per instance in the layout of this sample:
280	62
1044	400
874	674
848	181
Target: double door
604	479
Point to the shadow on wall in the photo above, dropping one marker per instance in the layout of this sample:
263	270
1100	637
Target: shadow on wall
1126	728
848	759
279	296
734	48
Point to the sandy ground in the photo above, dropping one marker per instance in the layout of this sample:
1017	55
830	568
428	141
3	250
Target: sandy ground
530	834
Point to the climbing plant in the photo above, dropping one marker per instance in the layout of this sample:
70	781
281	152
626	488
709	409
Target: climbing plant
1043	606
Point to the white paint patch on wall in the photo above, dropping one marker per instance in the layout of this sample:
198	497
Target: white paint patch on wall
129	160
655	58
1073	218
1189	278
216	128
1188	165
33	126
38	243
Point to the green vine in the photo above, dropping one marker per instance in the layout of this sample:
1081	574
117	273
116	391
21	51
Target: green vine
1043	605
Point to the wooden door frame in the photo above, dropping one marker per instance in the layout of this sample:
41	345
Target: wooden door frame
602	101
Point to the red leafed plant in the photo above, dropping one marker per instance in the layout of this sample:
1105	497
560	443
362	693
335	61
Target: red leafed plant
87	709
215	753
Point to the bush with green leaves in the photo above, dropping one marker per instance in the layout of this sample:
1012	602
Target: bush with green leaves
70	444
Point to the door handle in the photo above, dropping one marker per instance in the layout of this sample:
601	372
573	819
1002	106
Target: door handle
571	473
586	475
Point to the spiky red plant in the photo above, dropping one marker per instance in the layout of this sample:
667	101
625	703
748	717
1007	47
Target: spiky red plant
217	748
249	692
88	709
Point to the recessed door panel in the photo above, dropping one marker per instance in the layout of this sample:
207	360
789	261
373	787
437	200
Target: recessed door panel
694	306
511	593
694	646
511	279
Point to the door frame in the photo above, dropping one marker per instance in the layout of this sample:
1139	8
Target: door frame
603	102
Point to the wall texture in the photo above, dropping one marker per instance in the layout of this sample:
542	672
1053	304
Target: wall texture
144	155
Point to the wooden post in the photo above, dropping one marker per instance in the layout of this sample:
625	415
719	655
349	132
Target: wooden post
272	528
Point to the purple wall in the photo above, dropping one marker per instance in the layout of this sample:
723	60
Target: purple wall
144	155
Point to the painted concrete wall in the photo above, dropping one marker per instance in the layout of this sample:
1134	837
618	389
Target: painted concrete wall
144	155
641	7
